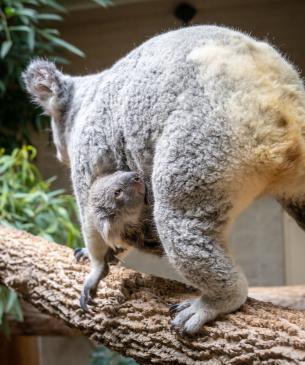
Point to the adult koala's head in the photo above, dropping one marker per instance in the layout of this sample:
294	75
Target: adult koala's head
52	90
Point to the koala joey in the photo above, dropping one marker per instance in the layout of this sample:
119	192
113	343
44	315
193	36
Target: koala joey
212	119
116	209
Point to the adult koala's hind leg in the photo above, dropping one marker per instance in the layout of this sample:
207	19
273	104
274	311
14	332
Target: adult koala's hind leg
193	209
199	254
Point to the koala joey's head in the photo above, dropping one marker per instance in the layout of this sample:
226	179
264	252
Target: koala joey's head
116	201
52	90
119	196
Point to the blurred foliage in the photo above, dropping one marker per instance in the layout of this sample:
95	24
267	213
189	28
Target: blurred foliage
9	308
27	203
103	356
26	32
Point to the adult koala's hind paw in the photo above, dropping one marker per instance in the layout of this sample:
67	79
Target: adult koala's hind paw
191	315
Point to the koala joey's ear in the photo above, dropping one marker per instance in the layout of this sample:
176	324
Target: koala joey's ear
48	87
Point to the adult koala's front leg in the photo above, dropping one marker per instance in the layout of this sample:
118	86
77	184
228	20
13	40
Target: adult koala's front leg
192	214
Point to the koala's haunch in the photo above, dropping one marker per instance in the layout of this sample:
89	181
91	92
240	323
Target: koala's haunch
212	119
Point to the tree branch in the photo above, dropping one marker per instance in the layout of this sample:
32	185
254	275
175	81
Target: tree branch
131	311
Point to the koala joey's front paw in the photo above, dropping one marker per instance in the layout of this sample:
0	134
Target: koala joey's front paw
86	297
191	315
97	273
81	253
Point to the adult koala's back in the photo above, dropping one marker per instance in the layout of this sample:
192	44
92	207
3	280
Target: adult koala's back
212	119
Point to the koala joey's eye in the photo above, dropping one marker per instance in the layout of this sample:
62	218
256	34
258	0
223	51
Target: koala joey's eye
118	193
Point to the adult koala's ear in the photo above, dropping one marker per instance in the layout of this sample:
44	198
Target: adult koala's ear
48	87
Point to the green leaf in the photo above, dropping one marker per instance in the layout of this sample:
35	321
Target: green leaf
26	12
61	43
12	298
55	5
103	3
19	28
18	315
51	31
31	39
32	2
9	11
5	47
46	16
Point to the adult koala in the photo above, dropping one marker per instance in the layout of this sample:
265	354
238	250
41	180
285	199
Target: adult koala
212	118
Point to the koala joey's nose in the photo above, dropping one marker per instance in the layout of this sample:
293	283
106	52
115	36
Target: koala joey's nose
134	177
137	183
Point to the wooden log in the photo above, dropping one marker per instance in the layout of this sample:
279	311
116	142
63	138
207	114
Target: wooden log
131	311
36	323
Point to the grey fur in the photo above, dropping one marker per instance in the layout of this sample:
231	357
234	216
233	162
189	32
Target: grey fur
196	112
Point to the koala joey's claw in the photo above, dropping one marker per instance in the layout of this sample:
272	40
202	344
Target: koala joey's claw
80	253
83	303
86	298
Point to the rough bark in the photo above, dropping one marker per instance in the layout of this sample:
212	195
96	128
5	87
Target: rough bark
36	323
131	311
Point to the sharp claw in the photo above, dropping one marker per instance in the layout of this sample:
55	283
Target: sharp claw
79	257
172	327
86	299
173	308
79	253
83	303
176	308
90	301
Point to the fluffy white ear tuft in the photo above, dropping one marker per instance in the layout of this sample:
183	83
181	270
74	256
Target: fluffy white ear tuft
47	85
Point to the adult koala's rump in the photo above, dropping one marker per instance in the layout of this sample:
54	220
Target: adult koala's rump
212	118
